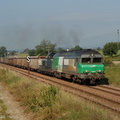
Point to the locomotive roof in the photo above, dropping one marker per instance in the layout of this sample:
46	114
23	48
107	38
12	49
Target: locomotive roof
77	53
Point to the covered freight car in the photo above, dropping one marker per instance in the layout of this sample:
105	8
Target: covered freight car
34	62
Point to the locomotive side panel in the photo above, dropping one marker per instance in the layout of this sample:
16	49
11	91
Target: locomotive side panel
55	63
60	64
69	66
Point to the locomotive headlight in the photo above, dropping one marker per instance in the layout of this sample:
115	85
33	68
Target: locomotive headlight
87	71
99	71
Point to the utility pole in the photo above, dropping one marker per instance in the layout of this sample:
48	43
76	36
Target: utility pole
118	38
118	33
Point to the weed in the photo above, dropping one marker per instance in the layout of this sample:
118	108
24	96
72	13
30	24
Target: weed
3	112
48	102
49	95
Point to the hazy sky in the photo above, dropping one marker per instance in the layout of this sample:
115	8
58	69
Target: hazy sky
88	23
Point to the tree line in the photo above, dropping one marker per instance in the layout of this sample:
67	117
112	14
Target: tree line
46	47
5	53
111	48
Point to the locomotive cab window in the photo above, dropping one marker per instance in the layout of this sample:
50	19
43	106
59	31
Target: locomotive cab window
97	60
86	60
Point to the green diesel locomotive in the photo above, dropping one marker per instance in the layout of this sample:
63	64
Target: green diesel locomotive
84	66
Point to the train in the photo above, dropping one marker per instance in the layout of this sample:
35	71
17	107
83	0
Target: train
81	66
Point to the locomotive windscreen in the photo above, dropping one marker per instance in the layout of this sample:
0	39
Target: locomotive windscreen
91	60
86	60
97	60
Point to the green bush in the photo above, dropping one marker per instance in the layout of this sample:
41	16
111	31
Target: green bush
49	95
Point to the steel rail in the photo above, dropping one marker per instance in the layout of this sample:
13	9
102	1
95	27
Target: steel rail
71	89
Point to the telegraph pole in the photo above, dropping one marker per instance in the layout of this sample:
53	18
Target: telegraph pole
118	38
118	33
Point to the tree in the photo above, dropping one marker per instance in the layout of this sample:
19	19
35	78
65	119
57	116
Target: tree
26	51
110	48
3	51
77	47
118	43
45	47
98	48
13	52
32	52
61	50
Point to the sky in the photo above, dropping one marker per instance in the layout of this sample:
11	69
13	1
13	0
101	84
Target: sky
87	23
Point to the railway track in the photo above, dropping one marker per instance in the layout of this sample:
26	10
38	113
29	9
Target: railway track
108	89
103	95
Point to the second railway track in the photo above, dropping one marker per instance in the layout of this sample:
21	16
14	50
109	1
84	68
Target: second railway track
108	89
103	95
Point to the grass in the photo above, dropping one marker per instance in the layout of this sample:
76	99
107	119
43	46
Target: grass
112	72
110	59
47	102
3	112
118	52
22	54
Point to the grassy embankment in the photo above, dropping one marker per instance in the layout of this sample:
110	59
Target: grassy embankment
112	72
46	102
3	112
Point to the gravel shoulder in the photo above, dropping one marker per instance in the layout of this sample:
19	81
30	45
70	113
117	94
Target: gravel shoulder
13	107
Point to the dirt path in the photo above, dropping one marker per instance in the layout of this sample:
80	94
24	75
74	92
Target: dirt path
13	108
116	62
